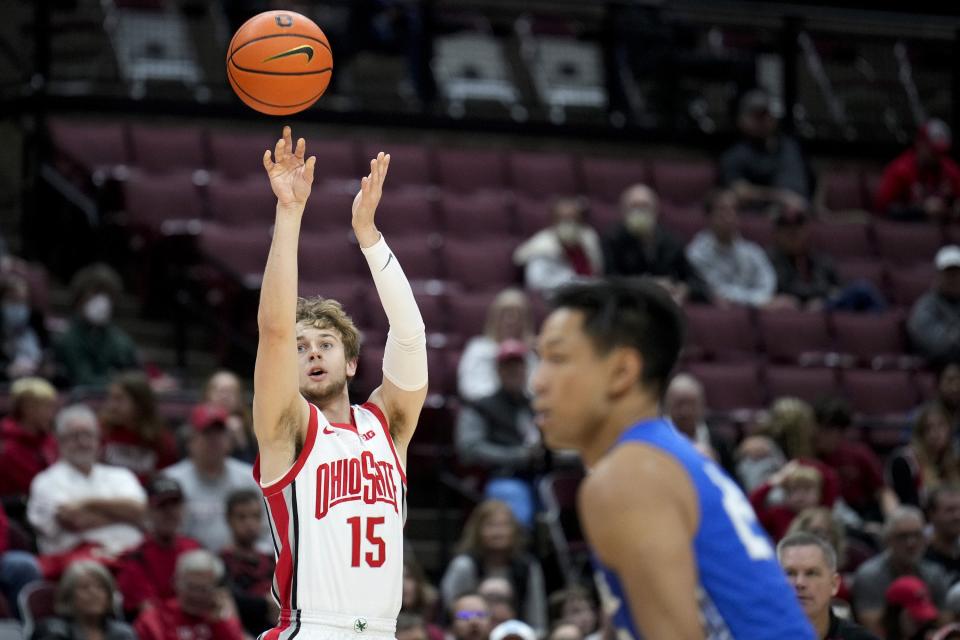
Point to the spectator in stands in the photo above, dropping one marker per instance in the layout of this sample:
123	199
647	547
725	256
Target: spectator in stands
27	446
934	323
923	182
943	513
757	458
22	333
800	488
492	544
134	435
685	404
224	389
411	626
638	246
79	506
17	568
202	608
928	461
470	618
84	607
501	600
736	270
909	614
513	630
811	567
575	606
565	631
820	521
807	279
420	598
948	393
145	573
208	476
508	318
94	348
859	469
567	249
766	166
904	537
498	434
249	571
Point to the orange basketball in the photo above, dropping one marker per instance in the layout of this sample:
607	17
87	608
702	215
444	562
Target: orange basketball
279	62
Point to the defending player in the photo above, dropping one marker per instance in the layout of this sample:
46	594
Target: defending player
333	474
678	551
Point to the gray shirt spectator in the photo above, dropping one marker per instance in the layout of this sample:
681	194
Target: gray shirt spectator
934	323
735	269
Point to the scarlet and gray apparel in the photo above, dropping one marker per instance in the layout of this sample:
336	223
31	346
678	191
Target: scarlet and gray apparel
337	523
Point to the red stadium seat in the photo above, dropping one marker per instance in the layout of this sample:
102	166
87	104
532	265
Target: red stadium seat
794	336
720	334
369	372
841	240
806	383
468	170
242	203
337	160
418	255
543	174
729	385
603	216
167	149
907	244
477	215
238	155
480	264
349	293
241	252
683	182
908	284
322	257
758	229
329	209
468	312
406	211
91	145
879	393
684	223
410	164
871	339
862	269
532	215
607	178
433	308
152	200
36	602
843	190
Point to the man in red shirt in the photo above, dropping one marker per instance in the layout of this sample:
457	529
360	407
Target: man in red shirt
145	573
27	446
202	610
859	469
922	182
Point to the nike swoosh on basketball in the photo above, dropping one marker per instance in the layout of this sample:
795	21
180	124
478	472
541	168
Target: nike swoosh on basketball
328	431
305	49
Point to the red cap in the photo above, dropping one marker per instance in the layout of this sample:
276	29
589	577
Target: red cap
937	134
511	350
912	594
205	416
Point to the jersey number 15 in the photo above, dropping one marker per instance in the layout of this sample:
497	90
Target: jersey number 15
374	558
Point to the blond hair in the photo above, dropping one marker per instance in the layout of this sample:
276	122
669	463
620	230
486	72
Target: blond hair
326	313
792	424
835	534
29	389
803	475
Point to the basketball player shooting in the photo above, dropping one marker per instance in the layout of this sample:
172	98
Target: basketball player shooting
678	552
332	474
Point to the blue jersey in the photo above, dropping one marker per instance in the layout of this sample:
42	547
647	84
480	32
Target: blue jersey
742	591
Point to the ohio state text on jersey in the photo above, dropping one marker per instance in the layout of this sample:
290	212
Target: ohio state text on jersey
336	517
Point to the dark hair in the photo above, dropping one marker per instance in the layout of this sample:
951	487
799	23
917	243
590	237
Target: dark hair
96	278
136	384
933	496
239	497
629	312
559	599
833	411
710	202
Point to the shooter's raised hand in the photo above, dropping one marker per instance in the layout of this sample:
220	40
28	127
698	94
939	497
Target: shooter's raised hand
365	204
290	177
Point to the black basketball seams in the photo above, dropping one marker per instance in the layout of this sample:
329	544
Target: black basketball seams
237	86
281	73
277	35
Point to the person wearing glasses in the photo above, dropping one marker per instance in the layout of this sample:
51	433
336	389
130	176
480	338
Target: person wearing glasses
470	618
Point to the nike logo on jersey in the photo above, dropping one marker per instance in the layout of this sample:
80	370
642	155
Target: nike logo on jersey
305	49
362	478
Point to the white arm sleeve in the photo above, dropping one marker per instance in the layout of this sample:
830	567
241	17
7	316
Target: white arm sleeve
405	354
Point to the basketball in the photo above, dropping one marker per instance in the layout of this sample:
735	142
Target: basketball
279	62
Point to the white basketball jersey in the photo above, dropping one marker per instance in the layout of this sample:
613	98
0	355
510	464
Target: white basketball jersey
336	518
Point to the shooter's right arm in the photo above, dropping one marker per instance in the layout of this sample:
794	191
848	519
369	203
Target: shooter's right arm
279	411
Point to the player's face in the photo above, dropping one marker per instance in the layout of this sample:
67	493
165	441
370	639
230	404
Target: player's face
324	369
569	383
811	578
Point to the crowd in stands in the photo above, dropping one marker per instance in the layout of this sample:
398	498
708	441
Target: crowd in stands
134	527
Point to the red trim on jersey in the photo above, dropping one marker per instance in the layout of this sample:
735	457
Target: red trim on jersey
349	427
284	569
283	482
375	410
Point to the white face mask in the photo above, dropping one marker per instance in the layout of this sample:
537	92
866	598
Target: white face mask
567	231
640	220
97	310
